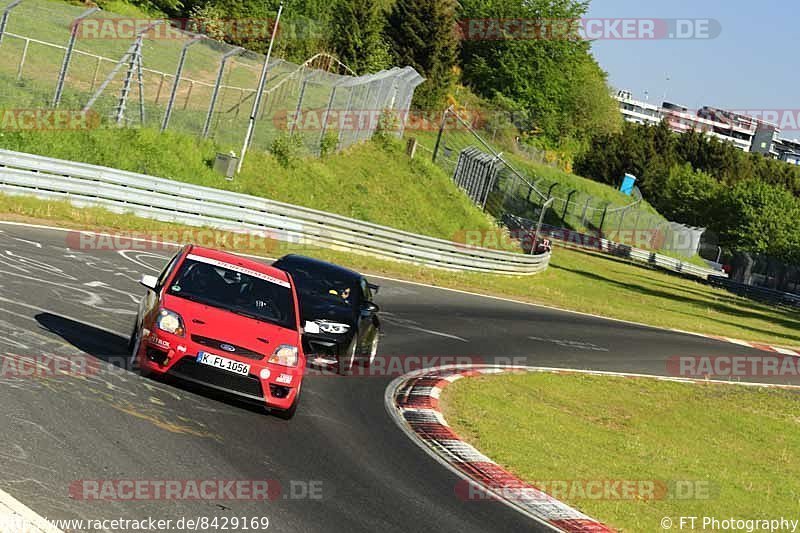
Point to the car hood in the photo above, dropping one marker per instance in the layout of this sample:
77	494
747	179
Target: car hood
224	326
312	308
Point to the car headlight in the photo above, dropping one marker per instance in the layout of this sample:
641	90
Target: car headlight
171	322
333	327
285	355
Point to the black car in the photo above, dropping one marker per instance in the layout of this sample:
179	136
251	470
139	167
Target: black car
340	319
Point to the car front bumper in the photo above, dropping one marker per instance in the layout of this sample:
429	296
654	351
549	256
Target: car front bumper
275	386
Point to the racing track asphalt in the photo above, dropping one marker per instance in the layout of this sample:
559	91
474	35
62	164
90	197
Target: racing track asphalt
118	425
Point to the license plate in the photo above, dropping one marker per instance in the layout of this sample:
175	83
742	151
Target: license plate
223	363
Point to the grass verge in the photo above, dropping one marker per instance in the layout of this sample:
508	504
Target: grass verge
373	181
578	281
729	451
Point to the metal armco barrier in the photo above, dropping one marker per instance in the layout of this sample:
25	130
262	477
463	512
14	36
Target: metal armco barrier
761	294
645	256
172	201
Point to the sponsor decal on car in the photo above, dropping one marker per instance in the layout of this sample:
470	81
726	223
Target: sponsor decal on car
158	341
240	269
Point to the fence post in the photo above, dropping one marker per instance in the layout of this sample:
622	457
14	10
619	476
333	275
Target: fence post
22	59
439	136
96	72
566	205
602	221
178	72
299	105
325	116
550	190
73	35
262	80
4	18
160	87
545	207
585	208
188	95
217	83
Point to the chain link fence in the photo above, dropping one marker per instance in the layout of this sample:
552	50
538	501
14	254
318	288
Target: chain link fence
136	72
511	194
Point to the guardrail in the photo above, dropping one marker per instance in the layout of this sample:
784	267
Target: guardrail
629	252
595	243
762	294
172	201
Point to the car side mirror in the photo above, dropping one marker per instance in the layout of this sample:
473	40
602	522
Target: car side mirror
151	282
370	308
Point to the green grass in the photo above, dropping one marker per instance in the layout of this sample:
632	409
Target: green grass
371	181
738	443
578	281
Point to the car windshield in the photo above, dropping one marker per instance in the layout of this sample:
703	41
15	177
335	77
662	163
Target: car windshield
328	284
235	291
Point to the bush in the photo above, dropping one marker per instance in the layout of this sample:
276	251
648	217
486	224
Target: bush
287	148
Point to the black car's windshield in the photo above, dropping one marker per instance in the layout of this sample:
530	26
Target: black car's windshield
328	284
256	296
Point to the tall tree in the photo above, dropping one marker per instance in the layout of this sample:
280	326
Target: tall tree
529	51
422	34
357	35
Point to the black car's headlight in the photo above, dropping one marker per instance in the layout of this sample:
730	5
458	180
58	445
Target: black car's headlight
171	322
334	328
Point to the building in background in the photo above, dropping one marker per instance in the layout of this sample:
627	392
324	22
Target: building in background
746	133
788	150
637	111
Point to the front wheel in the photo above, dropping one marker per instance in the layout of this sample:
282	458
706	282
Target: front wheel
369	357
288	414
133	346
347	359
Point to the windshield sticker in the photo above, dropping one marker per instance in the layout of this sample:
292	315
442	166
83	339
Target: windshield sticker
236	268
176	288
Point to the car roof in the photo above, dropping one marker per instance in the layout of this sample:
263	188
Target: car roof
240	261
302	259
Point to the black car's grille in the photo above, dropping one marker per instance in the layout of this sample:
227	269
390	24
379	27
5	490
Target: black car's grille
189	368
217	345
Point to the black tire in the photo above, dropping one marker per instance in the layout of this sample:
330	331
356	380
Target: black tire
345	361
133	346
368	356
288	414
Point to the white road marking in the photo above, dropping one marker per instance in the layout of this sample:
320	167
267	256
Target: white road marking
390	318
124	253
784	351
106	286
578	345
16	516
34	243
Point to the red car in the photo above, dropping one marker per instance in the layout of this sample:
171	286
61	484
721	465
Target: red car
224	322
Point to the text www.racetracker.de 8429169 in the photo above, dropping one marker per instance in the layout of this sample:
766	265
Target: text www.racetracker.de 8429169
197	523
